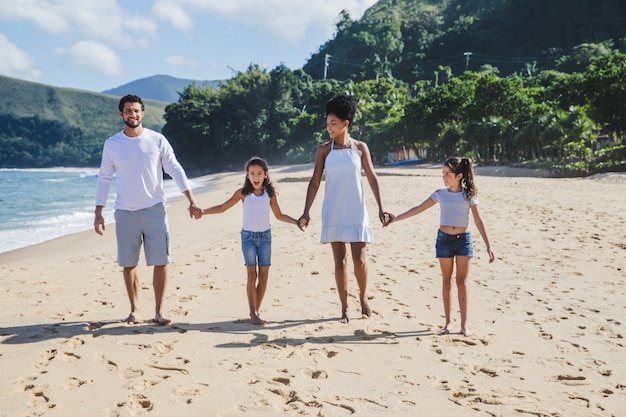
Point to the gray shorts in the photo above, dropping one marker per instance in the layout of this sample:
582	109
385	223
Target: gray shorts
148	226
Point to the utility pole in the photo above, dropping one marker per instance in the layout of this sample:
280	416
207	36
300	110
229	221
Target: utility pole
326	65
467	57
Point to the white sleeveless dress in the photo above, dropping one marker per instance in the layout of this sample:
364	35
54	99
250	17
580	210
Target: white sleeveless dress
344	215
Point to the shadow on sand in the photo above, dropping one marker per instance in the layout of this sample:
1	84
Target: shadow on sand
259	334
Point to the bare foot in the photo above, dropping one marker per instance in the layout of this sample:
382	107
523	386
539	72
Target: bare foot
466	331
161	321
445	330
344	317
256	320
365	309
131	319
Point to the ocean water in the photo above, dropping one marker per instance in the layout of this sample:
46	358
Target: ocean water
37	205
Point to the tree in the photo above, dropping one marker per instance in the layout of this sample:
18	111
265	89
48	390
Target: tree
188	127
604	87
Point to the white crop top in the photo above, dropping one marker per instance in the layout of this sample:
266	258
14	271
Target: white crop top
256	212
454	207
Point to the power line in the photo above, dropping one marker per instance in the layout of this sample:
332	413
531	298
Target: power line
480	58
424	65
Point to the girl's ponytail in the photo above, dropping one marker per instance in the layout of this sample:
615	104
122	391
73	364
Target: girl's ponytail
467	168
464	166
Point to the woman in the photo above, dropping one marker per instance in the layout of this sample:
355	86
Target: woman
344	214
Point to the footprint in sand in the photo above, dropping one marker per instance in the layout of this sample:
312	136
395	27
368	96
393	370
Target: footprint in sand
315	374
50	356
189	393
71	355
109	365
174	368
74	383
569	379
404	379
330	353
133	373
42	399
143	402
282	380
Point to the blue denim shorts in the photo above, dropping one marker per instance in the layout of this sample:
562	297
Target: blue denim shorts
256	247
449	246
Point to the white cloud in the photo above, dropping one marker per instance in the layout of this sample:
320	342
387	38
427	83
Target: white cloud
289	19
141	25
94	55
173	11
96	19
41	13
180	61
17	63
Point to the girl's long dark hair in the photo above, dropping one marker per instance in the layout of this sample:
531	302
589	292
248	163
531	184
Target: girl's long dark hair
464	166
267	183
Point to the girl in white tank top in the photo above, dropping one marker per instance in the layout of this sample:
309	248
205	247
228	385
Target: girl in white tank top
258	197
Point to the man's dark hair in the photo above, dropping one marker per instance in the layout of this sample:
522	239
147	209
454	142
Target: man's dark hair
130	98
343	106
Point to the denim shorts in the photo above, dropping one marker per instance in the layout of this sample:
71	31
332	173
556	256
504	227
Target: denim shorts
256	247
449	246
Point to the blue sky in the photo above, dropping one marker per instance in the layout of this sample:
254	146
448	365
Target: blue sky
96	45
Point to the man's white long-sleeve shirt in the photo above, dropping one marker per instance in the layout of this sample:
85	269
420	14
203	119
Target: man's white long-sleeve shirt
137	163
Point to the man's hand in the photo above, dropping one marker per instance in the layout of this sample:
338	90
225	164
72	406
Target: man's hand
98	224
194	211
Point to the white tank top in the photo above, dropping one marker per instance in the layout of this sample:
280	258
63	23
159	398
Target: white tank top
256	212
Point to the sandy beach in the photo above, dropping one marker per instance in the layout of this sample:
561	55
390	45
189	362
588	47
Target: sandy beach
548	316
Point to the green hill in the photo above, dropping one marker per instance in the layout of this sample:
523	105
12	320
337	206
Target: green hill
412	39
43	126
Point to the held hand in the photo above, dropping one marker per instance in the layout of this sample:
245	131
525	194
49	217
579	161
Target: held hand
383	216
98	224
303	222
194	211
389	218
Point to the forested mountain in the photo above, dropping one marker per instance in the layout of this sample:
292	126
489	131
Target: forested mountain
43	126
412	39
158	87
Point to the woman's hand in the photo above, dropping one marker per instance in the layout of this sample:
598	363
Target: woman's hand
389	218
384	217
303	222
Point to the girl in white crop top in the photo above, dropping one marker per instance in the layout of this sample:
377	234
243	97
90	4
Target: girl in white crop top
454	241
258	196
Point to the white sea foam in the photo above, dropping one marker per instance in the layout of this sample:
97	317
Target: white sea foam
37	205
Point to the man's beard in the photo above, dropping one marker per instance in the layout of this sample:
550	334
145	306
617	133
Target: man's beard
132	123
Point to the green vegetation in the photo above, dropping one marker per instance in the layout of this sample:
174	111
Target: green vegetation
574	122
42	126
541	83
414	39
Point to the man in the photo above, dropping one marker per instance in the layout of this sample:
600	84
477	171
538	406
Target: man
137	157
